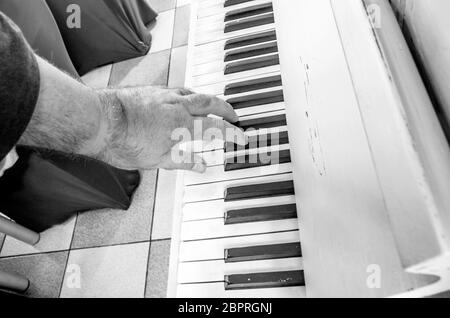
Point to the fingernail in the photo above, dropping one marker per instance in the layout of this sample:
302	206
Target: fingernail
199	167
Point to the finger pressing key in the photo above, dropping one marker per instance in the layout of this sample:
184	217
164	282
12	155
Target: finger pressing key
204	105
223	130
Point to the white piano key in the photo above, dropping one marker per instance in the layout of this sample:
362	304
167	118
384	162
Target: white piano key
217	157
204	4
214	271
260	109
259	91
215	191
216	33
207	10
219	88
220	65
217	209
220	77
212	48
216	14
215	228
217	56
194	251
218	174
205	27
263	115
219	144
217	290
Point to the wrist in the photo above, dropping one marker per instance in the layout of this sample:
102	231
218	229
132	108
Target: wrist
98	145
113	136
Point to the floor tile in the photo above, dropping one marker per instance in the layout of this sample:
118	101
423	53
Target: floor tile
164	205
56	239
98	78
107	272
162	31
158	269
177	72
182	24
45	272
162	5
151	69
109	227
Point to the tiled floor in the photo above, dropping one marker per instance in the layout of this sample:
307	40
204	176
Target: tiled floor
112	253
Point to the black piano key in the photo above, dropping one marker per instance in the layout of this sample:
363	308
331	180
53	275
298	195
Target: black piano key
265	280
246	40
255	191
260	253
246	23
247	52
260	141
257	160
252	100
229	3
261	214
253	85
248	12
263	122
252	64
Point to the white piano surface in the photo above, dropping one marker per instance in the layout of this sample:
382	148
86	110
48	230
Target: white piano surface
372	215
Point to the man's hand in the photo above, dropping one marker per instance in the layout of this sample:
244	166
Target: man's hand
130	128
141	122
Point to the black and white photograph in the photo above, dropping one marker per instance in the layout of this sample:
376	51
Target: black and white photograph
221	155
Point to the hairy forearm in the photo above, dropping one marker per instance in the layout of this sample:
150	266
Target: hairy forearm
68	116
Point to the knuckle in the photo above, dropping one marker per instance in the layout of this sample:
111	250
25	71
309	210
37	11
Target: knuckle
201	100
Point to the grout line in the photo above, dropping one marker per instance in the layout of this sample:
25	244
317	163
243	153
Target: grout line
11	257
154	204
111	245
68	255
74	249
151	229
161	240
110	76
173	27
171	49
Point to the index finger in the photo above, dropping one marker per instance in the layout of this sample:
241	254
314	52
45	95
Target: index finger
204	105
227	131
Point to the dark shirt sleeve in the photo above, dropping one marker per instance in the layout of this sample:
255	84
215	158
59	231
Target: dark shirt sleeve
19	84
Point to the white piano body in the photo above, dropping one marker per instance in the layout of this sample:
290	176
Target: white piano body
369	160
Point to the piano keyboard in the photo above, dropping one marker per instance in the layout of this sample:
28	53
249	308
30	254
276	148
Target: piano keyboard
334	132
239	228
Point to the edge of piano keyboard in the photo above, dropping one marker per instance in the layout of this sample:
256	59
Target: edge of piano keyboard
179	187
